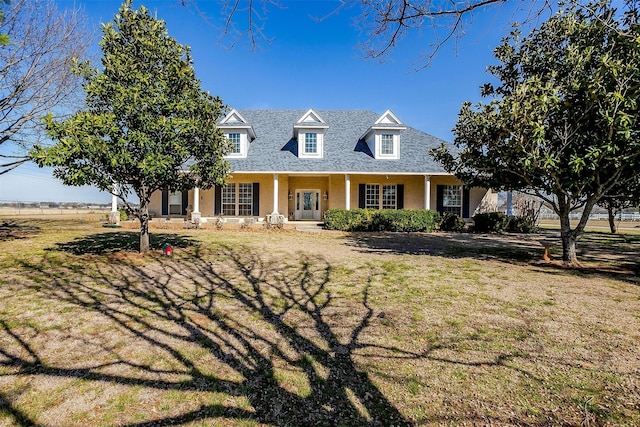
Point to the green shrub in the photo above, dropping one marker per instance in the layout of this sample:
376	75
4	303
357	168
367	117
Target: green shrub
451	222
123	215
490	221
409	220
521	224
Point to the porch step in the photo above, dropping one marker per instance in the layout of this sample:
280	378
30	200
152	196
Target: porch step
312	227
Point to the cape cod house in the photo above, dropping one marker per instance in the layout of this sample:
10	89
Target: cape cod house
300	163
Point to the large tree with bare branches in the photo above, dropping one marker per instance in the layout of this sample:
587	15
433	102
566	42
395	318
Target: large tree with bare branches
36	78
385	23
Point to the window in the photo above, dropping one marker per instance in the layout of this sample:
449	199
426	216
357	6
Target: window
388	197
386	144
229	200
237	199
381	196
372	196
310	143
234	138
452	199
245	199
175	203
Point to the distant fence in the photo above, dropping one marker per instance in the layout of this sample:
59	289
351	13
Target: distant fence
36	208
627	216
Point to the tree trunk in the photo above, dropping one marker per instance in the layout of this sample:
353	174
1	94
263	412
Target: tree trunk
569	256
144	227
612	220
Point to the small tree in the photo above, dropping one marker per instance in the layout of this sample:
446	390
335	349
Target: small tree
623	195
37	45
147	125
563	123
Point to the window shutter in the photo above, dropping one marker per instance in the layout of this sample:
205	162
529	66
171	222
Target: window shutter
362	189
400	196
185	201
465	202
217	202
165	202
256	199
439	198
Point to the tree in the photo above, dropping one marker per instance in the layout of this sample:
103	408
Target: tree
563	122
147	124
35	76
623	195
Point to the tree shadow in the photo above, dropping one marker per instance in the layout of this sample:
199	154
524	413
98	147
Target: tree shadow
111	242
252	319
13	230
611	255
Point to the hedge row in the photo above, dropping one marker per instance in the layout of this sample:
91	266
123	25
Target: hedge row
409	220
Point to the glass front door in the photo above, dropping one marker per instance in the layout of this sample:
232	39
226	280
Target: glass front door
308	205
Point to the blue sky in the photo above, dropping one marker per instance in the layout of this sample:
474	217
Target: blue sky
307	64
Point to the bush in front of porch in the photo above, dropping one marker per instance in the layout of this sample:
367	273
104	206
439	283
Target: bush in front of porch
406	220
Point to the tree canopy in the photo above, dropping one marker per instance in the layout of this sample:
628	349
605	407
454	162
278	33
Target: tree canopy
147	124
563	121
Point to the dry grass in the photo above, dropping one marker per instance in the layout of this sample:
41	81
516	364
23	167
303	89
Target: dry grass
262	327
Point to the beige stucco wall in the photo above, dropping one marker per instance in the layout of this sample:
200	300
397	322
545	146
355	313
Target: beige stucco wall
334	185
155	204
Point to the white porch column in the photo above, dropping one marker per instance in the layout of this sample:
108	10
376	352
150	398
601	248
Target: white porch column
427	192
195	214
275	194
347	192
114	215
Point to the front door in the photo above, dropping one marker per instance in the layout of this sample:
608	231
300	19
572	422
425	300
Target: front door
308	205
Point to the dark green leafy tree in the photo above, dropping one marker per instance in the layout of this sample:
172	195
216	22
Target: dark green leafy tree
147	124
563	121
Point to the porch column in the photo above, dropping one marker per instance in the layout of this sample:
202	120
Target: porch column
427	192
509	203
114	215
195	214
275	194
347	192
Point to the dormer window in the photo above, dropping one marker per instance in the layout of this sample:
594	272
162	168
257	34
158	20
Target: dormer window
383	138
238	132
309	131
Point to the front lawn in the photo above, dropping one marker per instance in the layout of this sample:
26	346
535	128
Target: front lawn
257	327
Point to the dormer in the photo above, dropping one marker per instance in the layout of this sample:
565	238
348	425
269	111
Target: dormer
309	131
239	132
383	138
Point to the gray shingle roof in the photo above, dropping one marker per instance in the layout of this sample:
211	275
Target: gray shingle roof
274	150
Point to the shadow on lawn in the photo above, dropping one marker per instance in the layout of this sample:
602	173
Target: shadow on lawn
11	230
231	321
104	243
611	255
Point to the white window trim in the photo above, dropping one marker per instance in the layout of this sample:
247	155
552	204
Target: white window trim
378	146
235	189
244	143
450	208
302	135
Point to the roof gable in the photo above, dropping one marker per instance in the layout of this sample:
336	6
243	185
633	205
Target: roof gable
310	118
388	118
235	120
